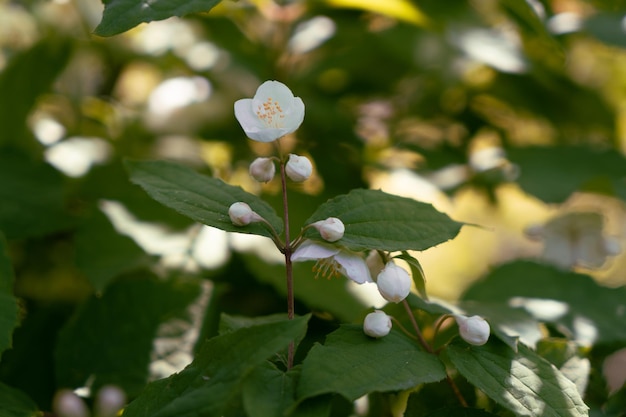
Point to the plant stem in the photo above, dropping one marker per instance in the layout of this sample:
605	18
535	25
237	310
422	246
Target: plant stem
429	349
288	265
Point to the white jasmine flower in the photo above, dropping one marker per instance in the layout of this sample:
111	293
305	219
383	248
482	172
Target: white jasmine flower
298	168
331	229
474	330
333	261
262	169
242	215
575	239
377	324
273	112
394	282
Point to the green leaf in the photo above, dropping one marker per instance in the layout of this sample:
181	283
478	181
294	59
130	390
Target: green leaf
268	391
121	15
328	295
554	173
110	339
32	196
211	384
579	306
419	277
459	412
14	403
353	364
523	382
607	27
201	198
103	254
377	220
8	303
27	76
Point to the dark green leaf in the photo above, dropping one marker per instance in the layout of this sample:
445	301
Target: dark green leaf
32	197
110	339
103	254
328	295
121	15
14	403
26	77
523	382
268	391
377	220
554	173
353	364
212	382
201	198
459	412
582	308
8	303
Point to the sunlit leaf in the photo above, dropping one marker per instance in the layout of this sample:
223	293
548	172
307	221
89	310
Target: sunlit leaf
399	9
352	364
201	198
523	382
377	220
121	15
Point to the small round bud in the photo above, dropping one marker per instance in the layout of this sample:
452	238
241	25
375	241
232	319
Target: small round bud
394	283
298	168
242	215
331	229
68	404
262	169
109	401
377	324
474	330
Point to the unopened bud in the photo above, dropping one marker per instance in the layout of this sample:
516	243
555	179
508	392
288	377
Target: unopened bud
377	324
262	169
474	330
109	401
298	168
394	282
68	404
242	215
331	229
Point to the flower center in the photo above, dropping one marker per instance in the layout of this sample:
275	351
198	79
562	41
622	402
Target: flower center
327	268
270	113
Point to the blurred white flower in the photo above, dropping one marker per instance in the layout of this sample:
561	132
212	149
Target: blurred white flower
298	168
474	330
333	261
394	282
67	404
331	229
271	114
109	401
575	239
377	324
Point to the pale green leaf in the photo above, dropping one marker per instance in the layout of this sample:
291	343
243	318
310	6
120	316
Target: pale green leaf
377	220
122	15
201	198
8	303
212	383
523	382
352	364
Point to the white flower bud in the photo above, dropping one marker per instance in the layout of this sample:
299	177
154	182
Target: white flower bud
331	229
109	401
298	168
68	404
394	282
377	324
242	215
474	330
262	169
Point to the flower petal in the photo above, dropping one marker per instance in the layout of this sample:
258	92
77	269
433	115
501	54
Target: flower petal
312	251
353	267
